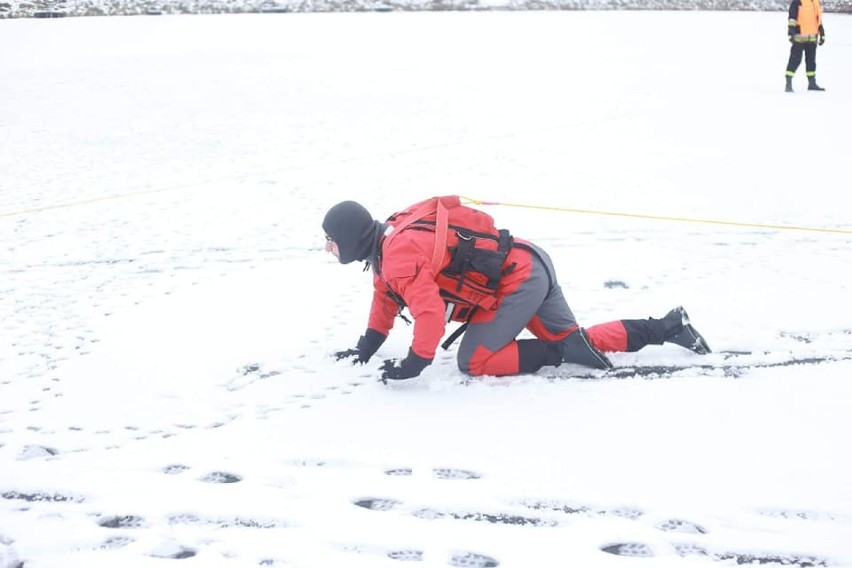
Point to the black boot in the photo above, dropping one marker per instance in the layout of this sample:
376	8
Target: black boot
812	85
533	354
679	330
789	87
577	348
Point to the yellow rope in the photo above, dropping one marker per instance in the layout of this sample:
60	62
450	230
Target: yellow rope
484	202
81	202
660	217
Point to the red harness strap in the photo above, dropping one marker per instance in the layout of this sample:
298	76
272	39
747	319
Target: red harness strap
432	206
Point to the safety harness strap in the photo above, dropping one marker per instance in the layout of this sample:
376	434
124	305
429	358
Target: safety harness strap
436	206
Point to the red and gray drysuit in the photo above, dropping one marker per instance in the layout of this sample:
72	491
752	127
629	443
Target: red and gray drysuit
528	296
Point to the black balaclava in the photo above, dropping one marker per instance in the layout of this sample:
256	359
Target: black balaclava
354	230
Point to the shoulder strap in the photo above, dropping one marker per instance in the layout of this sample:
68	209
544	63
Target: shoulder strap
441	224
435	206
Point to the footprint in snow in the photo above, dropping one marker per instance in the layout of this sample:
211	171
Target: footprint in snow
221	477
632	549
399	472
472	560
678	525
174	552
123	522
30	452
378	504
440	473
448	473
406	555
115	542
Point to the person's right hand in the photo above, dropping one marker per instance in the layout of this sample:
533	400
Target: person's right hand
368	344
349	353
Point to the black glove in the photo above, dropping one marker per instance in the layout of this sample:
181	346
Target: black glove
821	40
408	368
340	355
368	344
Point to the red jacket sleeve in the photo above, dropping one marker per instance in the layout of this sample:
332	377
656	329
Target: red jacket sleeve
383	310
407	270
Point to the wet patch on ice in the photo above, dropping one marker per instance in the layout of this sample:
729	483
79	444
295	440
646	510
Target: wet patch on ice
571	508
227	522
38	496
747	558
642	550
430	513
634	549
497	518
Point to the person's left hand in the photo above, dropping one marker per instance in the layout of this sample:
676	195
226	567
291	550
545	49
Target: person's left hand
821	39
407	368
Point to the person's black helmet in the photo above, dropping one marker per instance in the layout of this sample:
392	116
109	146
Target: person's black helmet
352	228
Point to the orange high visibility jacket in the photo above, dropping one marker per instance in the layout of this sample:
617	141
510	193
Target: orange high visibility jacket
807	15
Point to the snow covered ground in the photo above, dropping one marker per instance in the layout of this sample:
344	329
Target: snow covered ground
167	312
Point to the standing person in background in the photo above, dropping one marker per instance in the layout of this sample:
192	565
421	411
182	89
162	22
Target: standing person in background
805	31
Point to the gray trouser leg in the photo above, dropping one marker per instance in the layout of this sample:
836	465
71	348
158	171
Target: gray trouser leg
512	316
